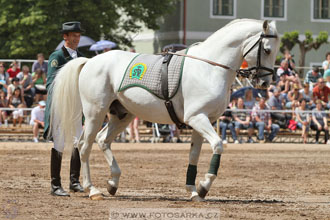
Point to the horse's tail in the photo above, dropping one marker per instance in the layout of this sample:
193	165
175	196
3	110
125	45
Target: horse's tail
66	107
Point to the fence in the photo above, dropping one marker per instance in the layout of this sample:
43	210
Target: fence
148	134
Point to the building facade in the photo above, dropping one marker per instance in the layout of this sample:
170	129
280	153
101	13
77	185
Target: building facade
194	20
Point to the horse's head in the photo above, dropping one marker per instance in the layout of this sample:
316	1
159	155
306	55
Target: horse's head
260	53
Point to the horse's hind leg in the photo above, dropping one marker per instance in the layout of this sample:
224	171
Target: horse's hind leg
195	149
203	126
104	139
93	121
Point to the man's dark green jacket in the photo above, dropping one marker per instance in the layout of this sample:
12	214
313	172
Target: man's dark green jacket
56	60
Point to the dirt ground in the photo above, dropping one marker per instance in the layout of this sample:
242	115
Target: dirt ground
255	181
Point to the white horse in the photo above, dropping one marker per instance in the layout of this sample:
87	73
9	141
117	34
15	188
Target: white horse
90	86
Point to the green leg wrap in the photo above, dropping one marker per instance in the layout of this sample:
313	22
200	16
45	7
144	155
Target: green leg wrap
191	175
215	163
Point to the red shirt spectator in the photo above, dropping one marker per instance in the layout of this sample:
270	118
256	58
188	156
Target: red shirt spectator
321	91
13	70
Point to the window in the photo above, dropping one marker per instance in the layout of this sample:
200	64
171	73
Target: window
223	9
321	9
273	8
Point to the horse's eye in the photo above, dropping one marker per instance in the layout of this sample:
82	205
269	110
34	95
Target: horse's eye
267	51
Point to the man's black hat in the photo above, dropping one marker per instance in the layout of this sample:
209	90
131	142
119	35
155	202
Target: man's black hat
72	26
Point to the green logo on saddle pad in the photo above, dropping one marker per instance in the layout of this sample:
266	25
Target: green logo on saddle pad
137	71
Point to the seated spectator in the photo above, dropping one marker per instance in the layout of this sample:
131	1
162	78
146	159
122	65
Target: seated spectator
263	121
270	90
285	70
26	81
303	119
326	63
134	130
37	119
294	96
283	84
16	101
233	103
312	76
40	63
242	120
276	102
175	134
14	84
4	78
249	100
3	104
320	123
326	77
307	95
39	81
13	70
289	59
226	122
321	92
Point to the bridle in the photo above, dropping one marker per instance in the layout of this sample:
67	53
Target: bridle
249	72
246	73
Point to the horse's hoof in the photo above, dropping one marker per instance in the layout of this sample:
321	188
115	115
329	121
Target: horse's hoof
202	192
111	189
97	197
197	198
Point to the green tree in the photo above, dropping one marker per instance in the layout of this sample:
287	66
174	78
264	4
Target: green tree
290	39
28	27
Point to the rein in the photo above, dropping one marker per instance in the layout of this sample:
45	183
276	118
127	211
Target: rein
201	59
243	72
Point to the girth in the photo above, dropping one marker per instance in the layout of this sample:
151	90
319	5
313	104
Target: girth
164	87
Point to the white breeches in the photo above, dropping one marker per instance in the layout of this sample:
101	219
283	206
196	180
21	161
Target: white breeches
17	113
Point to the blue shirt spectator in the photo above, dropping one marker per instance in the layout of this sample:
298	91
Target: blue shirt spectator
40	64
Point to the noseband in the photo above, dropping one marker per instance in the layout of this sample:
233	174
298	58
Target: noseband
254	72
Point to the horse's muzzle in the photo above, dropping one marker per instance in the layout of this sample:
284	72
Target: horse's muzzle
261	84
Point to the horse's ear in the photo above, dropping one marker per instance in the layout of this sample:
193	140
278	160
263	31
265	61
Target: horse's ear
265	26
272	24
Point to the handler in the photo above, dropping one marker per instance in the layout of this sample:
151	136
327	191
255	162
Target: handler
71	34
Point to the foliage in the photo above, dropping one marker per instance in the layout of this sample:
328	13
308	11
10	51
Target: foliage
31	26
290	39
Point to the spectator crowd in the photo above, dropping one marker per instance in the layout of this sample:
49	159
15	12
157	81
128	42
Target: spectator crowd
304	101
21	88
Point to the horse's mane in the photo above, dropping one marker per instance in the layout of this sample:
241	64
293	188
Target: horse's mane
242	20
245	21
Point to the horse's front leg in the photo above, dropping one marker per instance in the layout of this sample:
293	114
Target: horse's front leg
195	149
203	126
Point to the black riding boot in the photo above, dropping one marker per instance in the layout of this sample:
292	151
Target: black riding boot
75	172
55	170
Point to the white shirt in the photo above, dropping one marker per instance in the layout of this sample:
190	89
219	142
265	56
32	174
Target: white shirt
37	113
73	53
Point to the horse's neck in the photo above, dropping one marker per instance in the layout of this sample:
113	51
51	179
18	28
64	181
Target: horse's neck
226	45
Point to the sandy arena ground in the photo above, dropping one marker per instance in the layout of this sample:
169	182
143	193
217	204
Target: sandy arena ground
269	181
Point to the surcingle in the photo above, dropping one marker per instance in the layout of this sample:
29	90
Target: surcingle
145	71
